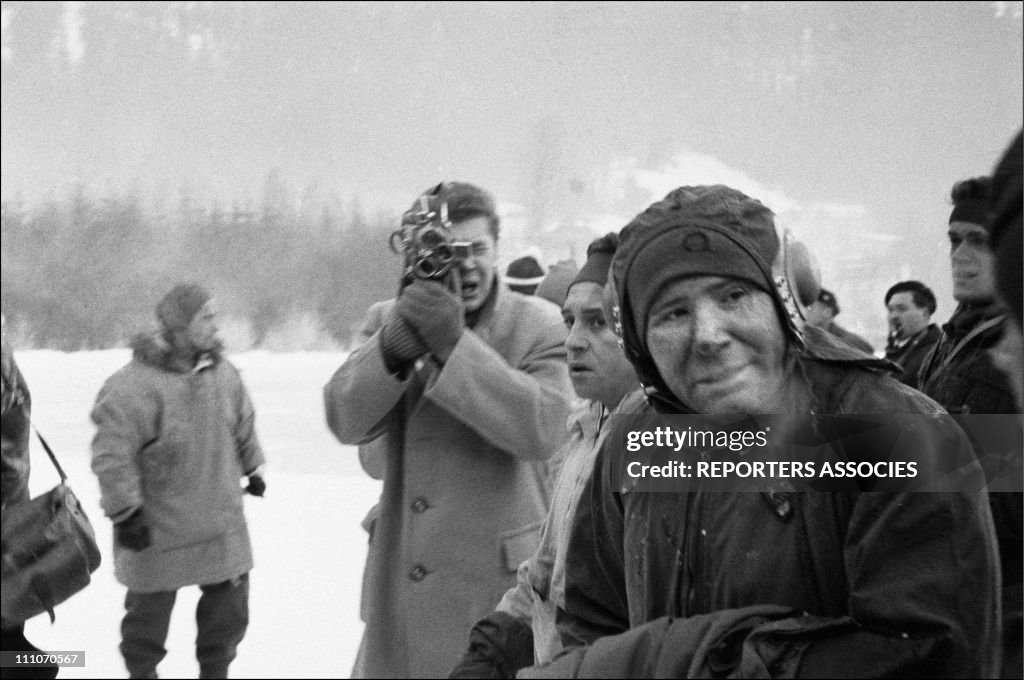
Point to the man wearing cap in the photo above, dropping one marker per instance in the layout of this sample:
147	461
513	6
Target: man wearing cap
524	275
959	373
465	395
910	305
692	583
522	628
823	313
174	437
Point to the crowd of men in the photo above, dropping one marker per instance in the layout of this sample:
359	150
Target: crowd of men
505	544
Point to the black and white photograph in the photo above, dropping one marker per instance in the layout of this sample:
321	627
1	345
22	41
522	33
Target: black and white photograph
325	325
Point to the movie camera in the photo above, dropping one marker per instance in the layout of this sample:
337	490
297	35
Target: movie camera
425	239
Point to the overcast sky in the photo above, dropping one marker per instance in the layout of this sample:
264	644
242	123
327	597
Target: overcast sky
869	109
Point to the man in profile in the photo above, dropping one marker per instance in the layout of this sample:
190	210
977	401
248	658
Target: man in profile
910	305
522	628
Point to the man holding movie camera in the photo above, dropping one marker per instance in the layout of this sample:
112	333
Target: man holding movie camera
463	387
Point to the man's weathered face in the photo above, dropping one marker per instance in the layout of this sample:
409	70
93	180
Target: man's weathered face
202	330
597	366
906	319
973	262
477	272
718	344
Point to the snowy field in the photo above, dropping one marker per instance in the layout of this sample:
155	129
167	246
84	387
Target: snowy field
308	545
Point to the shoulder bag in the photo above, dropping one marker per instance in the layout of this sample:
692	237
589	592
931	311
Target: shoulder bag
49	551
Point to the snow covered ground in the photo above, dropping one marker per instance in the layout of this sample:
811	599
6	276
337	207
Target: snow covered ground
309	548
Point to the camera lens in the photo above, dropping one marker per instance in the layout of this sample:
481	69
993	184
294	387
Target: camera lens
431	238
443	254
426	268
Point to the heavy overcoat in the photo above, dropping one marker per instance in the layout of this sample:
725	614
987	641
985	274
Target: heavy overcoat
466	485
910	356
177	444
711	584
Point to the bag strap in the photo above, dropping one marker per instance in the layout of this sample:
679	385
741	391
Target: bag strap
53	458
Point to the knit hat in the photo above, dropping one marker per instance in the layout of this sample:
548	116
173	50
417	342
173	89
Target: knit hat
557	281
177	309
970	200
693	231
827	297
524	275
599	260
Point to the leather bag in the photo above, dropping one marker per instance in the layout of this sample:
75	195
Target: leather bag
49	551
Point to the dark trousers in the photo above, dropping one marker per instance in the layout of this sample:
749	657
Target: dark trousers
222	617
13	640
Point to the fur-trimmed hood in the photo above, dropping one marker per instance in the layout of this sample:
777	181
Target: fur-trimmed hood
154	350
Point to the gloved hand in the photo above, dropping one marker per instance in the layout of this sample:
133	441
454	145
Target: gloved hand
256	486
435	313
499	645
133	532
399	344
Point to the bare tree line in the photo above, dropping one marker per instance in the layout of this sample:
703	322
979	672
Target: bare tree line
83	271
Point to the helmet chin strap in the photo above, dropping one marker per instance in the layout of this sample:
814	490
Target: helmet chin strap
797	280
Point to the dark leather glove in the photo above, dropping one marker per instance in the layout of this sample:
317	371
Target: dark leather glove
256	486
399	344
499	645
133	533
435	313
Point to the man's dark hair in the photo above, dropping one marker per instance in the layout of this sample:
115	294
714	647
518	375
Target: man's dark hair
466	201
922	294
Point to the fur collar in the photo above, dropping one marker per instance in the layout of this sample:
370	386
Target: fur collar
153	349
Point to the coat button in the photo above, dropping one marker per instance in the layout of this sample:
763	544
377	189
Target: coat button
420	505
418	573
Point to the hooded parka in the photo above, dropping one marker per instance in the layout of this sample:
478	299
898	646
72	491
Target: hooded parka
176	443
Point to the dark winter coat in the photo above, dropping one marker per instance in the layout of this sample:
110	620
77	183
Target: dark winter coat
16	428
466	484
960	375
711	584
177	444
910	356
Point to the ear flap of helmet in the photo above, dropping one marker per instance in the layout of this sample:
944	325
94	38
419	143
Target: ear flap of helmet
797	279
611	309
